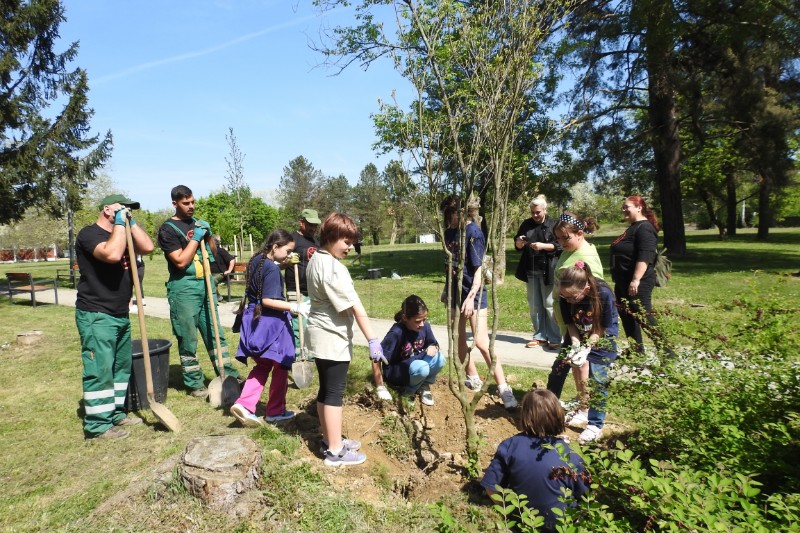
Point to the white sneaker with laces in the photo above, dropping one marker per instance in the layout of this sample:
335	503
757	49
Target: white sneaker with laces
245	417
590	434
425	395
507	395
473	383
577	418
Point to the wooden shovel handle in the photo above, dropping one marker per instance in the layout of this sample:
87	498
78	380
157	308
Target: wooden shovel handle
212	306
148	373
297	296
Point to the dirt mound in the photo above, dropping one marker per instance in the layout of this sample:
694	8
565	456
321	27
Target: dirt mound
416	451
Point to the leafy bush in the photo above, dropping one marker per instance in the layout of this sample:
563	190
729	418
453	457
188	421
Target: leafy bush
716	432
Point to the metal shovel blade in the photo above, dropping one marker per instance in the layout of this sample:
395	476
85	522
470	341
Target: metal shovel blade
223	392
164	415
302	373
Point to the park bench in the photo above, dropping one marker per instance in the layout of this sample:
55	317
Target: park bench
68	274
237	275
23	282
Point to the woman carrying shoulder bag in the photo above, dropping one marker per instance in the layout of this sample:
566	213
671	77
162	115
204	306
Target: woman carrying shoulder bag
633	256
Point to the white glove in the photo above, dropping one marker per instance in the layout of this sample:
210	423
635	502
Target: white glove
383	393
578	356
303	308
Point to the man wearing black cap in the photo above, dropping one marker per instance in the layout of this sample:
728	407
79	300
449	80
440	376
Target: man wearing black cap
101	315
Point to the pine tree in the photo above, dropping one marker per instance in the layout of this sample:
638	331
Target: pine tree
47	156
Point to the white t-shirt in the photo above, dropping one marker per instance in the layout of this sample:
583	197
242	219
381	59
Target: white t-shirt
332	294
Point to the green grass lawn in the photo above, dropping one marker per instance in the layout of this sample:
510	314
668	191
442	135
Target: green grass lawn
712	272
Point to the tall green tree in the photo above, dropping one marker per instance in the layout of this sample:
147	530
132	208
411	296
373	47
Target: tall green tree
369	197
334	195
742	90
220	210
299	187
400	190
47	156
625	95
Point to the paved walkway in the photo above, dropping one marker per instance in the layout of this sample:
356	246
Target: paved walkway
509	345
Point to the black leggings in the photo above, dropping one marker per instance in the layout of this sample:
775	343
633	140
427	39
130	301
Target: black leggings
332	381
636	312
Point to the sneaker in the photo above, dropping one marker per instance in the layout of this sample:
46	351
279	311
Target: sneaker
202	392
132	421
350	444
577	418
533	343
553	345
473	383
425	395
113	433
245	417
570	405
344	458
591	433
283	417
507	395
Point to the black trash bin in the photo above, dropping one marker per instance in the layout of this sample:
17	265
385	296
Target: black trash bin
136	398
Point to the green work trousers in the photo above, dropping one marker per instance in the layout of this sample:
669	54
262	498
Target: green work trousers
189	312
106	354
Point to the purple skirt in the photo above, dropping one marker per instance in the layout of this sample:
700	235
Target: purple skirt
271	337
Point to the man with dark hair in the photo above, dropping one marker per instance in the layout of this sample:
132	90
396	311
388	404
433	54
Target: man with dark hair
180	238
101	315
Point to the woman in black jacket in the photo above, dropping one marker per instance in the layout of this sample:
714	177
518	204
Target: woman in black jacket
540	250
633	256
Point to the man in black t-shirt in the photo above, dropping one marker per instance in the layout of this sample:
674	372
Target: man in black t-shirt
305	245
180	238
101	315
223	263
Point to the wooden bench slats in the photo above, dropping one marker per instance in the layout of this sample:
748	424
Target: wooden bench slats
23	282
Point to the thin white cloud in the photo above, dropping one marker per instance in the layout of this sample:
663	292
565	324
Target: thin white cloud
198	53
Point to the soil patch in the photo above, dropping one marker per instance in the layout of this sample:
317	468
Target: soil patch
416	452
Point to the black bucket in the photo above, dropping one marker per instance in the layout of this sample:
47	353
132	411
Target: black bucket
374	273
136	398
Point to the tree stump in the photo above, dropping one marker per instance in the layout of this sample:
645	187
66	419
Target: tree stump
220	470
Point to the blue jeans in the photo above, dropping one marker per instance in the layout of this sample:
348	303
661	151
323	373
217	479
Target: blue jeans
424	370
598	387
540	303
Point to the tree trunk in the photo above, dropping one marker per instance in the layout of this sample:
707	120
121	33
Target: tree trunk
220	470
712	213
393	236
664	125
764	206
730	201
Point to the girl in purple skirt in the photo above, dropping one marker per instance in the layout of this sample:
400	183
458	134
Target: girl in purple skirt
266	333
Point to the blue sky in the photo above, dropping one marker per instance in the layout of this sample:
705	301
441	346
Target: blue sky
168	78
